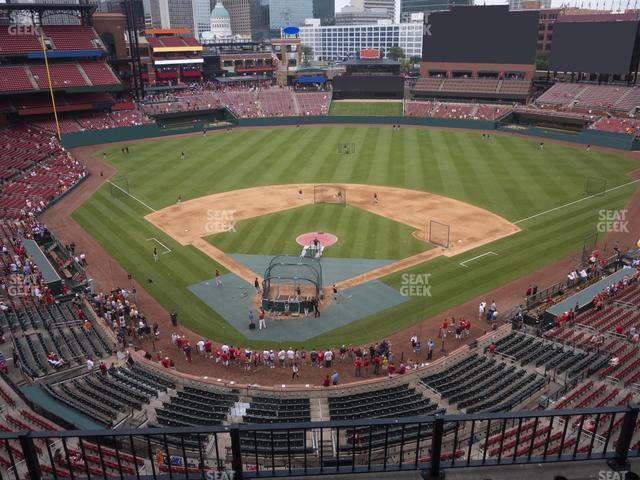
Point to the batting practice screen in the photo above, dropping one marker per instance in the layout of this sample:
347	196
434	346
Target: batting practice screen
490	34
439	233
346	148
329	194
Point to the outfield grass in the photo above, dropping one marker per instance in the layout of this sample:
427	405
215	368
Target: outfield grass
361	234
368	109
507	175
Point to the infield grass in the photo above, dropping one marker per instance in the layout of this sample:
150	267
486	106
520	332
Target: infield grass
367	109
507	175
361	234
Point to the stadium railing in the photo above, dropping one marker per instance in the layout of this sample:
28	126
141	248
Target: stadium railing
429	443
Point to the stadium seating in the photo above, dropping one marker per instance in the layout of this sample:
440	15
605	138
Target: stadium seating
63	75
99	73
195	406
110	396
479	384
72	37
313	103
22	44
629	126
276	102
16	79
619	98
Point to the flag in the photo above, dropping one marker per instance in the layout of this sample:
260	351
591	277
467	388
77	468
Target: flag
275	58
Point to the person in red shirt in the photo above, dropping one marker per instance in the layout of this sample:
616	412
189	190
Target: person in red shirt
103	368
327	381
402	370
320	357
467	328
376	365
391	369
492	348
358	366
443	328
165	362
619	329
365	364
208	345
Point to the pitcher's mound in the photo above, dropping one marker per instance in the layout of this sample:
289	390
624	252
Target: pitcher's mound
325	239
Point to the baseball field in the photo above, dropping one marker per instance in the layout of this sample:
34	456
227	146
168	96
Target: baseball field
541	193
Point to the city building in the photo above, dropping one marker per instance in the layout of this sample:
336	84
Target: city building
529	4
407	7
350	15
346	41
181	14
388	5
220	23
240	16
284	13
325	10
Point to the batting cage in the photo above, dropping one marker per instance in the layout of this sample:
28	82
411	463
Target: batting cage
596	186
291	284
439	233
119	186
346	148
330	194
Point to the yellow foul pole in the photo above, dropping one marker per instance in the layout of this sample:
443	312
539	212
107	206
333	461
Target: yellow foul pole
53	99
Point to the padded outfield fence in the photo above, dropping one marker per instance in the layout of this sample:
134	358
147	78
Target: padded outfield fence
586	137
430	443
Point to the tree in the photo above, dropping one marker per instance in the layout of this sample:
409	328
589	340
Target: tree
394	53
542	60
307	54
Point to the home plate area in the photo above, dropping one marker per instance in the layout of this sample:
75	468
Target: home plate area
236	297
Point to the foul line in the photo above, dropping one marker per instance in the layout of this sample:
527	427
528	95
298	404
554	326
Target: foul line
127	193
475	258
576	201
168	250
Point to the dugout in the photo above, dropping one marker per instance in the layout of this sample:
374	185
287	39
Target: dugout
291	284
49	273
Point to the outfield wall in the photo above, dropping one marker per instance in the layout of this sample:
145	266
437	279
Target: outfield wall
362	120
124	134
619	141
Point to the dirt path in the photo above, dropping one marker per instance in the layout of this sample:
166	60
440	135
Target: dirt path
187	222
107	274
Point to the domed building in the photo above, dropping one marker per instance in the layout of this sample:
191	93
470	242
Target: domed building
220	21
